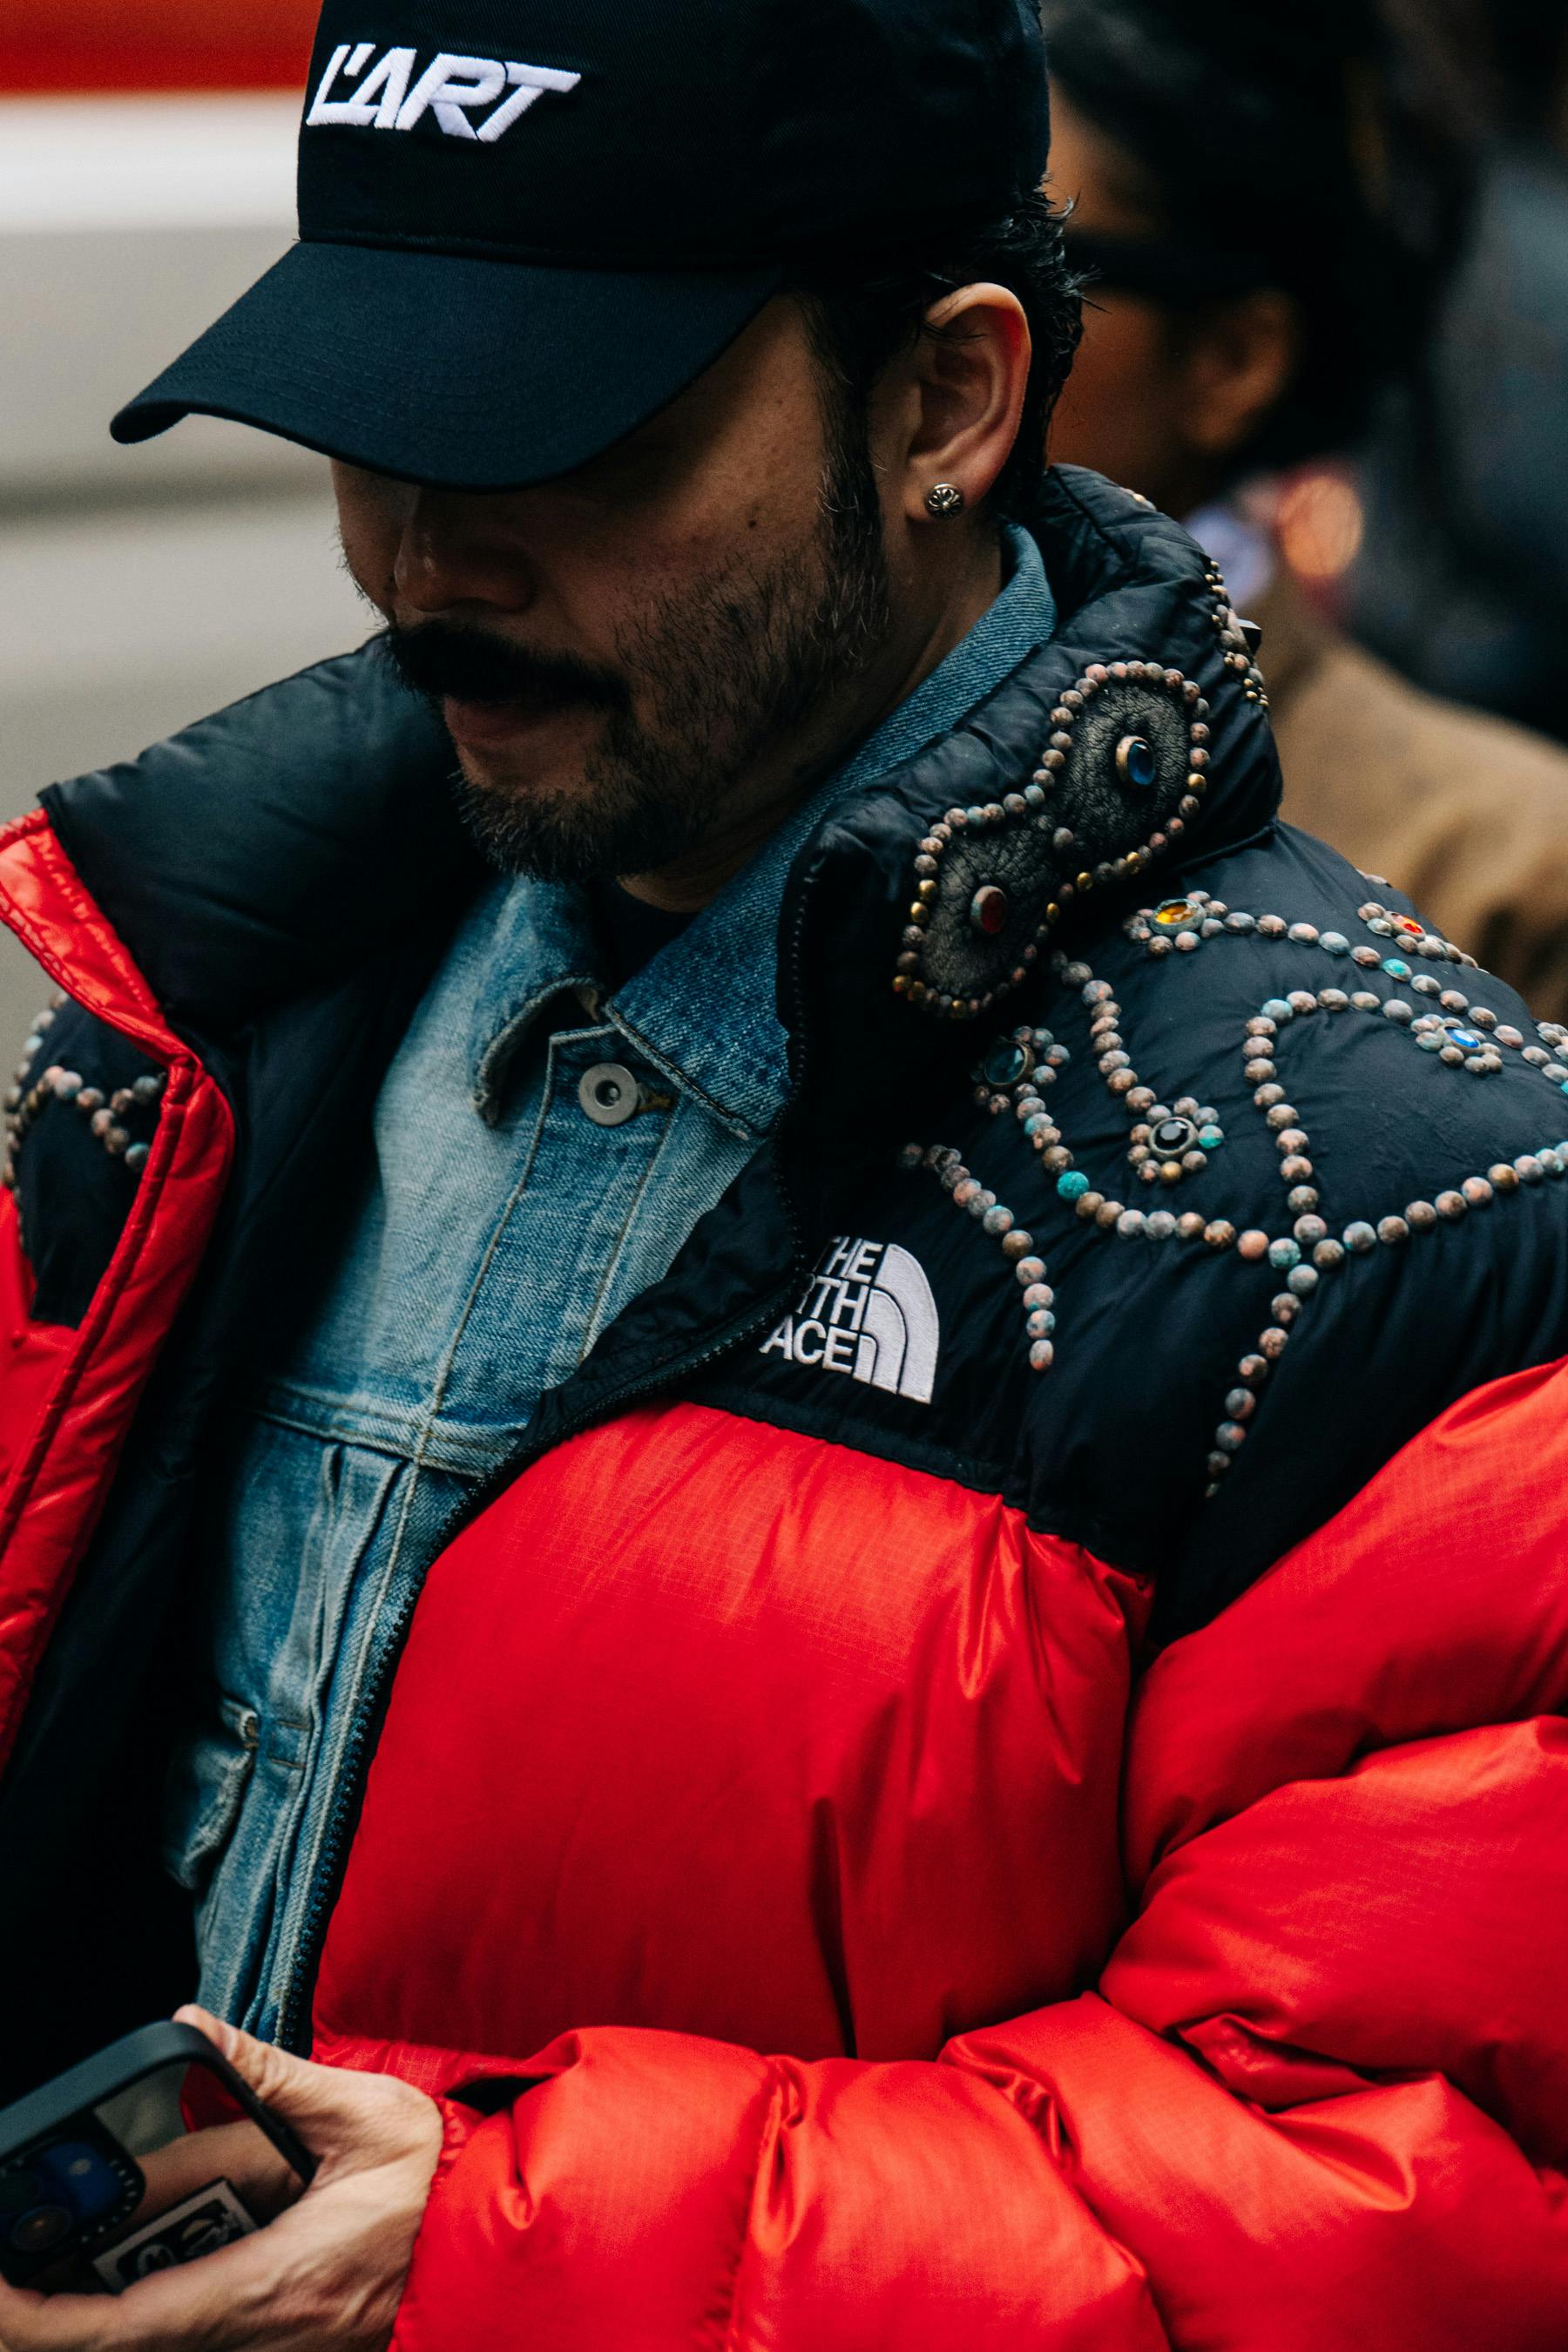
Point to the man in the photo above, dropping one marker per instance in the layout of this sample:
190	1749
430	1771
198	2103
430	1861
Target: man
631	1467
1231	342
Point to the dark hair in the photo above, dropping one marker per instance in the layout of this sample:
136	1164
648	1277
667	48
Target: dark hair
862	317
1319	156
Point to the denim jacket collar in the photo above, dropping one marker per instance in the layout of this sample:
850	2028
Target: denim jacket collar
704	1011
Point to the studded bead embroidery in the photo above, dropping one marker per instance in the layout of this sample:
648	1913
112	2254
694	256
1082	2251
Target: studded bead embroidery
1170	1141
1120	780
109	1117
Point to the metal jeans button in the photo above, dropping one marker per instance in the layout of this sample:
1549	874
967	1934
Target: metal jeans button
609	1094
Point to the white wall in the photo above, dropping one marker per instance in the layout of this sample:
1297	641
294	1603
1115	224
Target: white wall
139	588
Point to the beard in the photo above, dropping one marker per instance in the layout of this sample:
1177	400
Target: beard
705	682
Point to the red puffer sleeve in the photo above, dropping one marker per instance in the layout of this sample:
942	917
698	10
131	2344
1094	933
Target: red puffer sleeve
1319	2100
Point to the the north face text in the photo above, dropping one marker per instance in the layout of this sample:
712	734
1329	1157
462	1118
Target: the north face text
468	98
868	1313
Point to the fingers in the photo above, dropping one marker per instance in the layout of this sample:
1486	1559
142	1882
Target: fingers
52	2323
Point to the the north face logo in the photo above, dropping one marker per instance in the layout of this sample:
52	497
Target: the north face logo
869	1314
470	98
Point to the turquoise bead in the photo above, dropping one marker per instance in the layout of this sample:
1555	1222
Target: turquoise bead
1073	1186
1394	968
1210	1137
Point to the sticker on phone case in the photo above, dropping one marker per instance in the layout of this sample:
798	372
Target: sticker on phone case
213	2217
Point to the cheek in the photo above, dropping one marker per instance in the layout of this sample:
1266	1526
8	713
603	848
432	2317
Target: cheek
370	526
1115	413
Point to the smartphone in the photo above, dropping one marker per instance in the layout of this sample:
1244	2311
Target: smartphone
148	2156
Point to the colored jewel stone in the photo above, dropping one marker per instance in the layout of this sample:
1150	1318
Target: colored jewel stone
1007	1063
989	911
1395	969
1210	1138
1136	763
1073	1186
1176	913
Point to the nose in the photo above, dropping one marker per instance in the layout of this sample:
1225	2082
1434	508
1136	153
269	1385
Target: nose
460	549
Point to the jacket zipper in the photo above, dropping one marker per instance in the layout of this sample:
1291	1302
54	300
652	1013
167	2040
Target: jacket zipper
293	2031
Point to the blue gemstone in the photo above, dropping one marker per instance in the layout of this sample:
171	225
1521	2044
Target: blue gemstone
1394	968
1210	1137
1007	1063
1136	763
1073	1186
1469	1039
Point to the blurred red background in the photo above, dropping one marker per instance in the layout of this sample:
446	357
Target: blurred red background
68	47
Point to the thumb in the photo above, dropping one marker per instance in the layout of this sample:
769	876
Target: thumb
338	2112
319	2101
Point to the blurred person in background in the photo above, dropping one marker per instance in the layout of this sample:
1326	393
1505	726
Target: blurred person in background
1266	234
1464	583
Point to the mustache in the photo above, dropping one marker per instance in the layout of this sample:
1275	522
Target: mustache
444	661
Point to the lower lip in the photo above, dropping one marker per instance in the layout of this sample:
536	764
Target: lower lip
490	726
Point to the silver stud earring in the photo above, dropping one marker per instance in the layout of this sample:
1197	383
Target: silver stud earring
946	499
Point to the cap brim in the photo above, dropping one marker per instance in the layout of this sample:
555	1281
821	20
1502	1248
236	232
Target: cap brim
467	374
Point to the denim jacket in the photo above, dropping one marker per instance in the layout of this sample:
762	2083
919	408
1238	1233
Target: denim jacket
501	1229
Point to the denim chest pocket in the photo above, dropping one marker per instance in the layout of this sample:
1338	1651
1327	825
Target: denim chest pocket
208	1775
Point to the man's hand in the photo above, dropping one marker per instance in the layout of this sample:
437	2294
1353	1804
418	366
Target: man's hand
327	2272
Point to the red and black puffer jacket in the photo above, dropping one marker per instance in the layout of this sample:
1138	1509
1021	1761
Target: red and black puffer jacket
992	1773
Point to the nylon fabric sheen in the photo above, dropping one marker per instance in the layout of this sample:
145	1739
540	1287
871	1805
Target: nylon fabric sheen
867	1865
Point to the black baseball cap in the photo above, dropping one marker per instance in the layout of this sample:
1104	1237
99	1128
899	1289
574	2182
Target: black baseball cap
524	229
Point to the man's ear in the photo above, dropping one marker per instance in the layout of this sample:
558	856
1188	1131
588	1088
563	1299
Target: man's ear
1239	362
965	397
